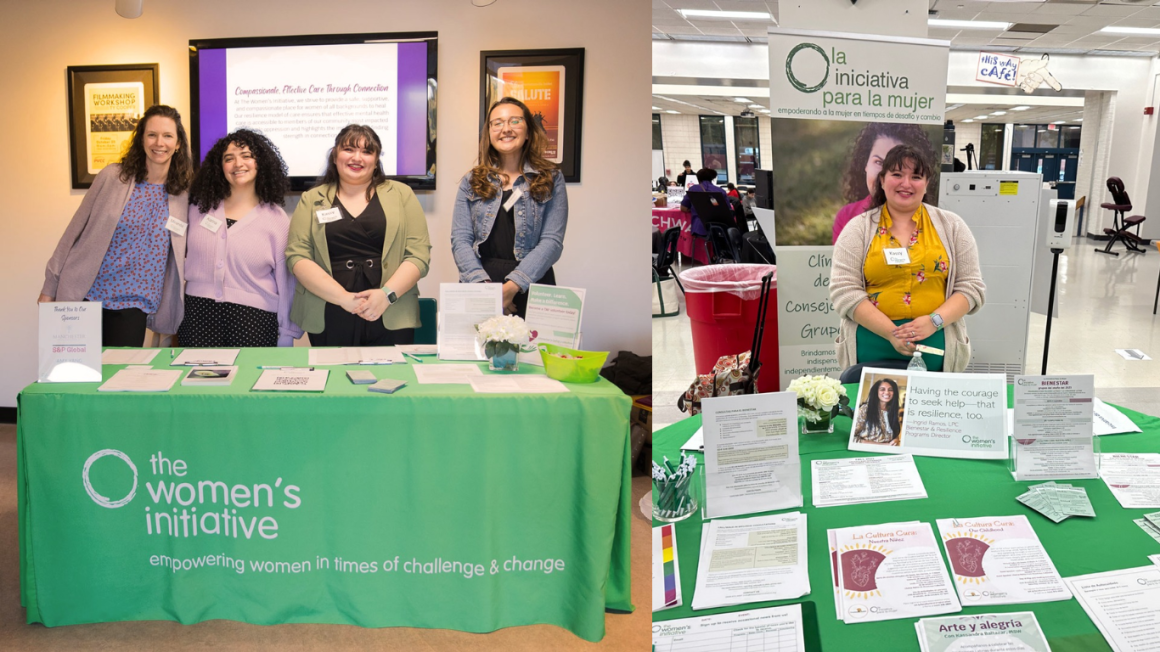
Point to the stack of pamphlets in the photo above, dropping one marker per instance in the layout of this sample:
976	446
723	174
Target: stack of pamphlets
1057	501
999	560
1150	524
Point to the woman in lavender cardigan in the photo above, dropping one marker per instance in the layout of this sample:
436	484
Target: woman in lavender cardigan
238	291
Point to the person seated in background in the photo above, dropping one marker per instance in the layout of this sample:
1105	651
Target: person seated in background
682	176
662	183
903	271
732	191
704	183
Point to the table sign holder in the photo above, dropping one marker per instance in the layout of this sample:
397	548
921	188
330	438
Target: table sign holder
69	342
1051	434
1024	451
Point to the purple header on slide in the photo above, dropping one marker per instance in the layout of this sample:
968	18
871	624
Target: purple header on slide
412	110
211	71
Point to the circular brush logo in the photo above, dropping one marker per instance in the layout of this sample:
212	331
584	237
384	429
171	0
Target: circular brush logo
797	83
94	494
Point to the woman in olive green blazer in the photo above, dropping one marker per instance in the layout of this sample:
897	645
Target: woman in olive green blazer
358	246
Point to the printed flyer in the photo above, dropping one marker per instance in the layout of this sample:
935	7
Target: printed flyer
1013	632
999	560
541	88
111	113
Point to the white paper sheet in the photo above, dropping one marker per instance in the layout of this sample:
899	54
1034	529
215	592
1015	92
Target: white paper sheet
666	587
1124	605
856	480
752	560
892	571
446	374
128	356
696	442
1134	479
774	629
141	379
1107	420
1133	354
461	307
69	342
999	560
751	454
349	355
1052	427
292	380
1155	559
1007	632
418	349
206	357
520	384
554	315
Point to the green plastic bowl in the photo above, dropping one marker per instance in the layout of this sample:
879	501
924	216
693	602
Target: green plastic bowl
584	368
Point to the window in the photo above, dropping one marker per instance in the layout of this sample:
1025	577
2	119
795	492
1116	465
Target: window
713	145
1046	138
746	141
1070	137
1023	136
657	131
991	147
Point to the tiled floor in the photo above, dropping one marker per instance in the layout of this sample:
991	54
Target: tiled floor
1105	303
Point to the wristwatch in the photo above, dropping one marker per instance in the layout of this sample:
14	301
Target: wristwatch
392	297
938	321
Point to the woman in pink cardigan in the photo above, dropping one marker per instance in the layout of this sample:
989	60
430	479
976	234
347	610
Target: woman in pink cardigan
238	292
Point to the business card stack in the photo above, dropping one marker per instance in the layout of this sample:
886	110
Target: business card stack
1150	524
1058	501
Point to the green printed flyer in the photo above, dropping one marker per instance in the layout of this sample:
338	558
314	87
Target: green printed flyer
1008	632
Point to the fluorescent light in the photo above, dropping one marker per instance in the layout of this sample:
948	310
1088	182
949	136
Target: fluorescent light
1059	122
1078	120
743	100
998	113
756	106
1139	31
657	108
967	120
672	111
713	13
982	117
1020	108
968	24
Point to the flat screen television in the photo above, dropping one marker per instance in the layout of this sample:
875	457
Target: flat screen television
300	91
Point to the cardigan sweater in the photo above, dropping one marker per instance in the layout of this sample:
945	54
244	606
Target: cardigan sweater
243	264
848	281
406	240
74	264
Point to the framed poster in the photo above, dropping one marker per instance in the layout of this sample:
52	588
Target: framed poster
551	84
104	105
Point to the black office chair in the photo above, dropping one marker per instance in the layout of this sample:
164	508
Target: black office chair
853	374
1120	222
723	250
663	261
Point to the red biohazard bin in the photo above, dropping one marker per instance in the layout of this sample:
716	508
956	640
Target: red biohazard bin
723	302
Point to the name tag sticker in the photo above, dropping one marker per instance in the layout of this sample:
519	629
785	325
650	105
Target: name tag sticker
328	215
176	225
516	194
211	223
897	256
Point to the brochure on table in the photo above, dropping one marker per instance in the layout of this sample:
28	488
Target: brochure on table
939	414
772	629
292	380
1107	420
752	560
70	342
1133	478
205	358
349	355
983	633
141	379
1052	428
858	480
751	454
553	316
831	539
666	571
999	560
1123	604
461	307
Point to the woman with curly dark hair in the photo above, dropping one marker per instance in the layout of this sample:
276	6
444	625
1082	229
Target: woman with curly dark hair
877	420
238	291
125	245
870	147
511	209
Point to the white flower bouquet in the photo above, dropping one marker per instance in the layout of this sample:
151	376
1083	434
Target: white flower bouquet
817	396
500	335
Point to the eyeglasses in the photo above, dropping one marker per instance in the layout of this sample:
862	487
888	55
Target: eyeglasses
498	123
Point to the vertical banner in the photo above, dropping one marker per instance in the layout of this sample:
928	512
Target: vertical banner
839	103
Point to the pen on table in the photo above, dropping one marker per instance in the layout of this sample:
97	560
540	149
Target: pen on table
263	366
413	357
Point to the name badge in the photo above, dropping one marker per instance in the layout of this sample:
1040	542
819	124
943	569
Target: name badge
211	223
897	256
175	225
328	215
516	194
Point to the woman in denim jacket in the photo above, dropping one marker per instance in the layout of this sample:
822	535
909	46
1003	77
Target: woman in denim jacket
511	209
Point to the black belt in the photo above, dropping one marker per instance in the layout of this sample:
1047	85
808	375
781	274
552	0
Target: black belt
352	263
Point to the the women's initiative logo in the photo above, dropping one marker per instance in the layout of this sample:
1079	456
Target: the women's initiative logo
94	494
797	83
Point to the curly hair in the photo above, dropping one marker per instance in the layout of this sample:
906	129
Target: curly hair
854	181
892	409
133	167
899	157
359	136
532	154
210	186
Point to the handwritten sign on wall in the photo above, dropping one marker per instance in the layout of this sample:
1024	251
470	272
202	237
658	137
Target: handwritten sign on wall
997	69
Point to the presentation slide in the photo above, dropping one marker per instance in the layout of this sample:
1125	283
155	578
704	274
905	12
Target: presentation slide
300	97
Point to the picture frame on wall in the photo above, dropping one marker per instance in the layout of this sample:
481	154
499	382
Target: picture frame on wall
551	83
104	105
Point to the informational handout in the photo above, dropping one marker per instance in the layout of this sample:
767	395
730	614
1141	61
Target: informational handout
1057	501
209	377
1107	420
856	480
292	380
1053	458
773	629
666	569
1149	528
1133	478
751	454
1052	428
696	442
521	384
141	379
553	316
1124	605
752	560
355	355
892	571
128	356
446	374
206	358
418	349
934	414
69	342
461	307
999	560
1008	632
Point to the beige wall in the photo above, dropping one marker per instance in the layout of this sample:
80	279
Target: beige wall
606	247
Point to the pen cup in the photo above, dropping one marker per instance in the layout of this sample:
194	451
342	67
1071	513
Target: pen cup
678	498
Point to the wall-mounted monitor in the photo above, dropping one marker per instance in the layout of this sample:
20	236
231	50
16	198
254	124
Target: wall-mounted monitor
300	91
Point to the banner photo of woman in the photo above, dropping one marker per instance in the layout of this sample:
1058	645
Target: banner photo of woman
881	409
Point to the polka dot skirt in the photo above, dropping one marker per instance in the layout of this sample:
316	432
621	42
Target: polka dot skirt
210	324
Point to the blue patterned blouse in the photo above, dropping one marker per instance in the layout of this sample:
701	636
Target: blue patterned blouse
133	270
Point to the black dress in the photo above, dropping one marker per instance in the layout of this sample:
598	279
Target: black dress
498	257
356	255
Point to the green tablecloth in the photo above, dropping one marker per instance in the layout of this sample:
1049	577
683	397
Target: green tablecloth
955	489
515	508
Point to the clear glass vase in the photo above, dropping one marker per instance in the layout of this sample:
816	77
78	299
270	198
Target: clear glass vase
678	501
816	422
506	361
